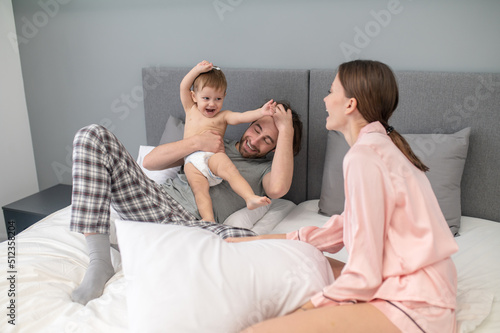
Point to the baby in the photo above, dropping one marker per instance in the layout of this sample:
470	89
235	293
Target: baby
203	107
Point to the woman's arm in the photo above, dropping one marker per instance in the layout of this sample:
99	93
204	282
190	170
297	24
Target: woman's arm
328	238
248	239
172	154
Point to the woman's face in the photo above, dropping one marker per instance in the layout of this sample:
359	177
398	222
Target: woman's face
336	103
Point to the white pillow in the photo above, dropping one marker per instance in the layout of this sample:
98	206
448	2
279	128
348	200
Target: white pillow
280	208
159	176
182	279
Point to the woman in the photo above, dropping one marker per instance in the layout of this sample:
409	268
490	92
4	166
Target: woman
399	275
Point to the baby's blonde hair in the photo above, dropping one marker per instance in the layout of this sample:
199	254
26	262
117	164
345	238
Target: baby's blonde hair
214	78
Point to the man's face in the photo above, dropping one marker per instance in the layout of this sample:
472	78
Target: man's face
259	139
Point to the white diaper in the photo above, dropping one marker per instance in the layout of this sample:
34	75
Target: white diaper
200	160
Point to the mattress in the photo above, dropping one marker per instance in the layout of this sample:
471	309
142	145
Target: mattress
50	262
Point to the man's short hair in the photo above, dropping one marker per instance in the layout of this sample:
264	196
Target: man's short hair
297	127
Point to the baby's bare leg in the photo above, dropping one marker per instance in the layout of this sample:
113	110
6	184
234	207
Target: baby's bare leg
222	166
199	186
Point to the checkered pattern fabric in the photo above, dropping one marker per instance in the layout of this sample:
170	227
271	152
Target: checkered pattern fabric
105	173
224	231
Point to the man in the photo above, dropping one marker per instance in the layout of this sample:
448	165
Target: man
104	173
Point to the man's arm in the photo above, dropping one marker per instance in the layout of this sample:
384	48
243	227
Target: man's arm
235	118
172	154
277	182
187	82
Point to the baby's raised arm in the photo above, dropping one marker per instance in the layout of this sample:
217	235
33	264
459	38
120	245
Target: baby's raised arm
235	118
187	82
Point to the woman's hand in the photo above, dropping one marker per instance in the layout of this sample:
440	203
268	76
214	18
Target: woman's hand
308	306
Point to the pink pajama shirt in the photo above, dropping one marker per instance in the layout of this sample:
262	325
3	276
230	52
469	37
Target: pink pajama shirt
397	238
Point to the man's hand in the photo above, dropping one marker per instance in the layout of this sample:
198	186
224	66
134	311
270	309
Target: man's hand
172	154
282	118
277	182
210	141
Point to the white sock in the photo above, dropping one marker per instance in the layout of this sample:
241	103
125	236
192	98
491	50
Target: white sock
99	271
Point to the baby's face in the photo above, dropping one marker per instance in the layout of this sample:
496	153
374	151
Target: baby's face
209	101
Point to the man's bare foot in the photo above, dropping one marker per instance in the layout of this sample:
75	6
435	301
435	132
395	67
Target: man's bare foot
256	202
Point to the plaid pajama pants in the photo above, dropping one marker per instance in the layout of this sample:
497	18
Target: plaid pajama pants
105	173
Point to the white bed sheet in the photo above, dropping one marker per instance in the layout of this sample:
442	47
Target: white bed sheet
51	261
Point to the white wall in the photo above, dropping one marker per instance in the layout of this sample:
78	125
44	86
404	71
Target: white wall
17	170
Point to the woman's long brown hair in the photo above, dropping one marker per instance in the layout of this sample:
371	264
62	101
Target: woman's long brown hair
375	89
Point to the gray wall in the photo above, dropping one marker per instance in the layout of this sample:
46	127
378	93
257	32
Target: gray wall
82	59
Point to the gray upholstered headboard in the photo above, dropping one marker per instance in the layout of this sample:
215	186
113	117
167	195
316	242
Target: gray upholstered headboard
433	102
247	89
430	102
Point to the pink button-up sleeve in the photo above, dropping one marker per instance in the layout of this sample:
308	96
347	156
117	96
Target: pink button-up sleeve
368	206
327	238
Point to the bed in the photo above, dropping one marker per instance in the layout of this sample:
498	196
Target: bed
162	284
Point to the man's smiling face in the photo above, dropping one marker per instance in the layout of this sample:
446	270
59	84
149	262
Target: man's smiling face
259	139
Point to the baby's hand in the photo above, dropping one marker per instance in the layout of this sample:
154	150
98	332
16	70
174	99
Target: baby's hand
204	66
269	109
